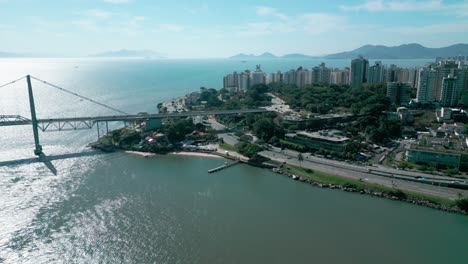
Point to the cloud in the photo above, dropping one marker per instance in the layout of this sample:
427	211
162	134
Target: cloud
444	28
270	11
396	6
117	1
280	23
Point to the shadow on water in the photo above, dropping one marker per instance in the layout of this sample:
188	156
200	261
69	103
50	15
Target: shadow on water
47	160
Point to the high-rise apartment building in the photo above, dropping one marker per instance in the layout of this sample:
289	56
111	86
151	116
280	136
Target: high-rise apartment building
376	73
359	68
257	77
399	93
426	86
450	92
444	69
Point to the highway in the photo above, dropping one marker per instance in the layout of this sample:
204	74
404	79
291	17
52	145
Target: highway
376	175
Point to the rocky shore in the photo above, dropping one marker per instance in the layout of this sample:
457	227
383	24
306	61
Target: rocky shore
397	195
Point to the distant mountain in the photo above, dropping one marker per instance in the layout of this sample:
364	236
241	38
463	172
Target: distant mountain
267	55
130	53
298	56
406	51
17	55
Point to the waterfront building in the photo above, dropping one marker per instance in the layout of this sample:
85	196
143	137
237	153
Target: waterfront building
243	80
426	86
229	81
399	93
236	81
331	140
359	71
440	152
257	77
451	91
376	73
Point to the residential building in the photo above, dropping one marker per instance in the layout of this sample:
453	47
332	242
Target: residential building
376	73
451	91
321	74
445	69
340	77
359	68
399	93
426	86
257	77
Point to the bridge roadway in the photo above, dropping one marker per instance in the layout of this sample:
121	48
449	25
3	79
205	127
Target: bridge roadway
88	122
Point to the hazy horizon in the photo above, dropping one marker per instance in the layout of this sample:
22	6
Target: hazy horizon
211	29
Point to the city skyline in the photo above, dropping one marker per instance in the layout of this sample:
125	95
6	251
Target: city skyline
214	29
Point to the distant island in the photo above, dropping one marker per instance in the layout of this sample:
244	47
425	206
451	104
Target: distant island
405	51
268	55
20	55
130	53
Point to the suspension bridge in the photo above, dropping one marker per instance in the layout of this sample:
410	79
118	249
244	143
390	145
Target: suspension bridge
88	122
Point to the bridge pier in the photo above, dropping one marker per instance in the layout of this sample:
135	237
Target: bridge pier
38	147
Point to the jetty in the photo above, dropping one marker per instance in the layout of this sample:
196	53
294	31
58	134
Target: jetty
225	166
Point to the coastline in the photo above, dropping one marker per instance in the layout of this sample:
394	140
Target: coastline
140	153
363	188
195	154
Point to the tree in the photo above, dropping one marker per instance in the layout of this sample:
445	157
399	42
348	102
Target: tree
300	158
264	129
463	204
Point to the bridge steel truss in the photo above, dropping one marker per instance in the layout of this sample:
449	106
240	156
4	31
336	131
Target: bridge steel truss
81	123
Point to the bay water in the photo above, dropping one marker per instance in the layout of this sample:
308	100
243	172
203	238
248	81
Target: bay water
119	208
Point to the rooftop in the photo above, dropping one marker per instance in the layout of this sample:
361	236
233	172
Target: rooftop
329	135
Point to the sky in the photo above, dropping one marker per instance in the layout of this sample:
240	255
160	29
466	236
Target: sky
215	28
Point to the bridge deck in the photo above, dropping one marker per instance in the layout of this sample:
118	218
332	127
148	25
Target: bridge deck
20	121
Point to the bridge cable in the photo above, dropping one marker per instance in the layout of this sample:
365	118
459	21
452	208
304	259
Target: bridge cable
80	96
12	82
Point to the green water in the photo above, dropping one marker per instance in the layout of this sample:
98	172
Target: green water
170	210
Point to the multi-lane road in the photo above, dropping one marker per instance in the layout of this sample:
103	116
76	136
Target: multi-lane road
392	178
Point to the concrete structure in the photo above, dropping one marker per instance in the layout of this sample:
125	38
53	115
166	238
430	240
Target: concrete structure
399	93
359	68
445	69
340	77
426	86
404	115
451	91
440	152
327	140
321	74
376	73
257	77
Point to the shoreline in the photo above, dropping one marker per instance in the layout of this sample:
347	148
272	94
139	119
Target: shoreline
195	154
140	153
367	190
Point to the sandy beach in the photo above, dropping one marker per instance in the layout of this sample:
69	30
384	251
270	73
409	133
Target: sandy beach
142	154
196	154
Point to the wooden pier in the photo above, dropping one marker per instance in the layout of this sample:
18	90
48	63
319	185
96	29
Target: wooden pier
225	166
